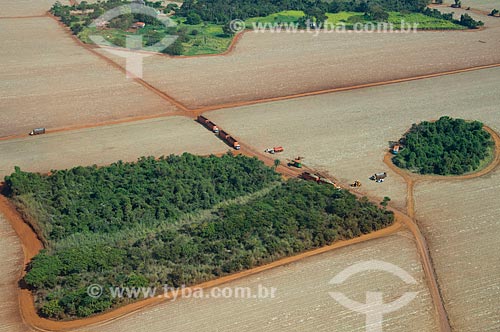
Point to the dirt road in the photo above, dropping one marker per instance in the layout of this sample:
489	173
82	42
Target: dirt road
412	224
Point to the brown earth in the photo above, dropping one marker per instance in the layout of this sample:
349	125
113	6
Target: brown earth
49	81
106	144
24	8
266	65
343	134
302	301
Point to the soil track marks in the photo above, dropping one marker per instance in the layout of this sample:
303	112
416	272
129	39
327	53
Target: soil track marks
52	82
302	302
32	245
104	145
259	67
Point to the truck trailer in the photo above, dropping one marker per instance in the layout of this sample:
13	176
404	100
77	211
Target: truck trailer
229	139
37	131
207	123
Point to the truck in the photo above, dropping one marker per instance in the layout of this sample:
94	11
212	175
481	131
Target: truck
37	131
229	139
207	123
310	177
379	177
395	149
319	179
276	149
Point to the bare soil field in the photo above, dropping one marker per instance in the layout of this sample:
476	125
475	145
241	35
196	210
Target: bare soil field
49	81
107	144
13	8
265	65
347	134
485	5
302	302
11	256
461	223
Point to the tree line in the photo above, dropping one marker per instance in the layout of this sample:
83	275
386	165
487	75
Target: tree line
105	199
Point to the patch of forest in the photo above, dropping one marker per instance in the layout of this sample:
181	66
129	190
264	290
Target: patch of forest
445	147
175	221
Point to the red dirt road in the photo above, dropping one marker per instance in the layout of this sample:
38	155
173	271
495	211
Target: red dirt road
412	224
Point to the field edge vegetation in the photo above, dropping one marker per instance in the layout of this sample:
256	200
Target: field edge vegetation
261	219
199	31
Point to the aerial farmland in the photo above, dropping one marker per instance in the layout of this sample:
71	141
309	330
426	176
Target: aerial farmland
305	162
302	301
41	82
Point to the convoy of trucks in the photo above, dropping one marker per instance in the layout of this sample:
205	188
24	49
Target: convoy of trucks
222	134
297	162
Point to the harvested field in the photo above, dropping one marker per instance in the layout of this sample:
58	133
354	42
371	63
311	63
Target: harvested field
460	220
104	145
11	8
11	256
485	5
347	133
302	302
267	65
49	81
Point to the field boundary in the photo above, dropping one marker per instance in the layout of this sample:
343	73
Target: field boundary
192	113
31	246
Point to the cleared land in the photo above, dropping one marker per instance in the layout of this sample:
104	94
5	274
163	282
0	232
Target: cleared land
11	256
485	5
11	8
347	134
49	81
302	302
461	222
267	65
104	145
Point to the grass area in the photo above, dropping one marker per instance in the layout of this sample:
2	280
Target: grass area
350	18
196	39
210	39
287	16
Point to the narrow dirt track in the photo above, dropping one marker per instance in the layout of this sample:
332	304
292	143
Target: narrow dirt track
349	88
411	180
32	245
104	123
21	17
